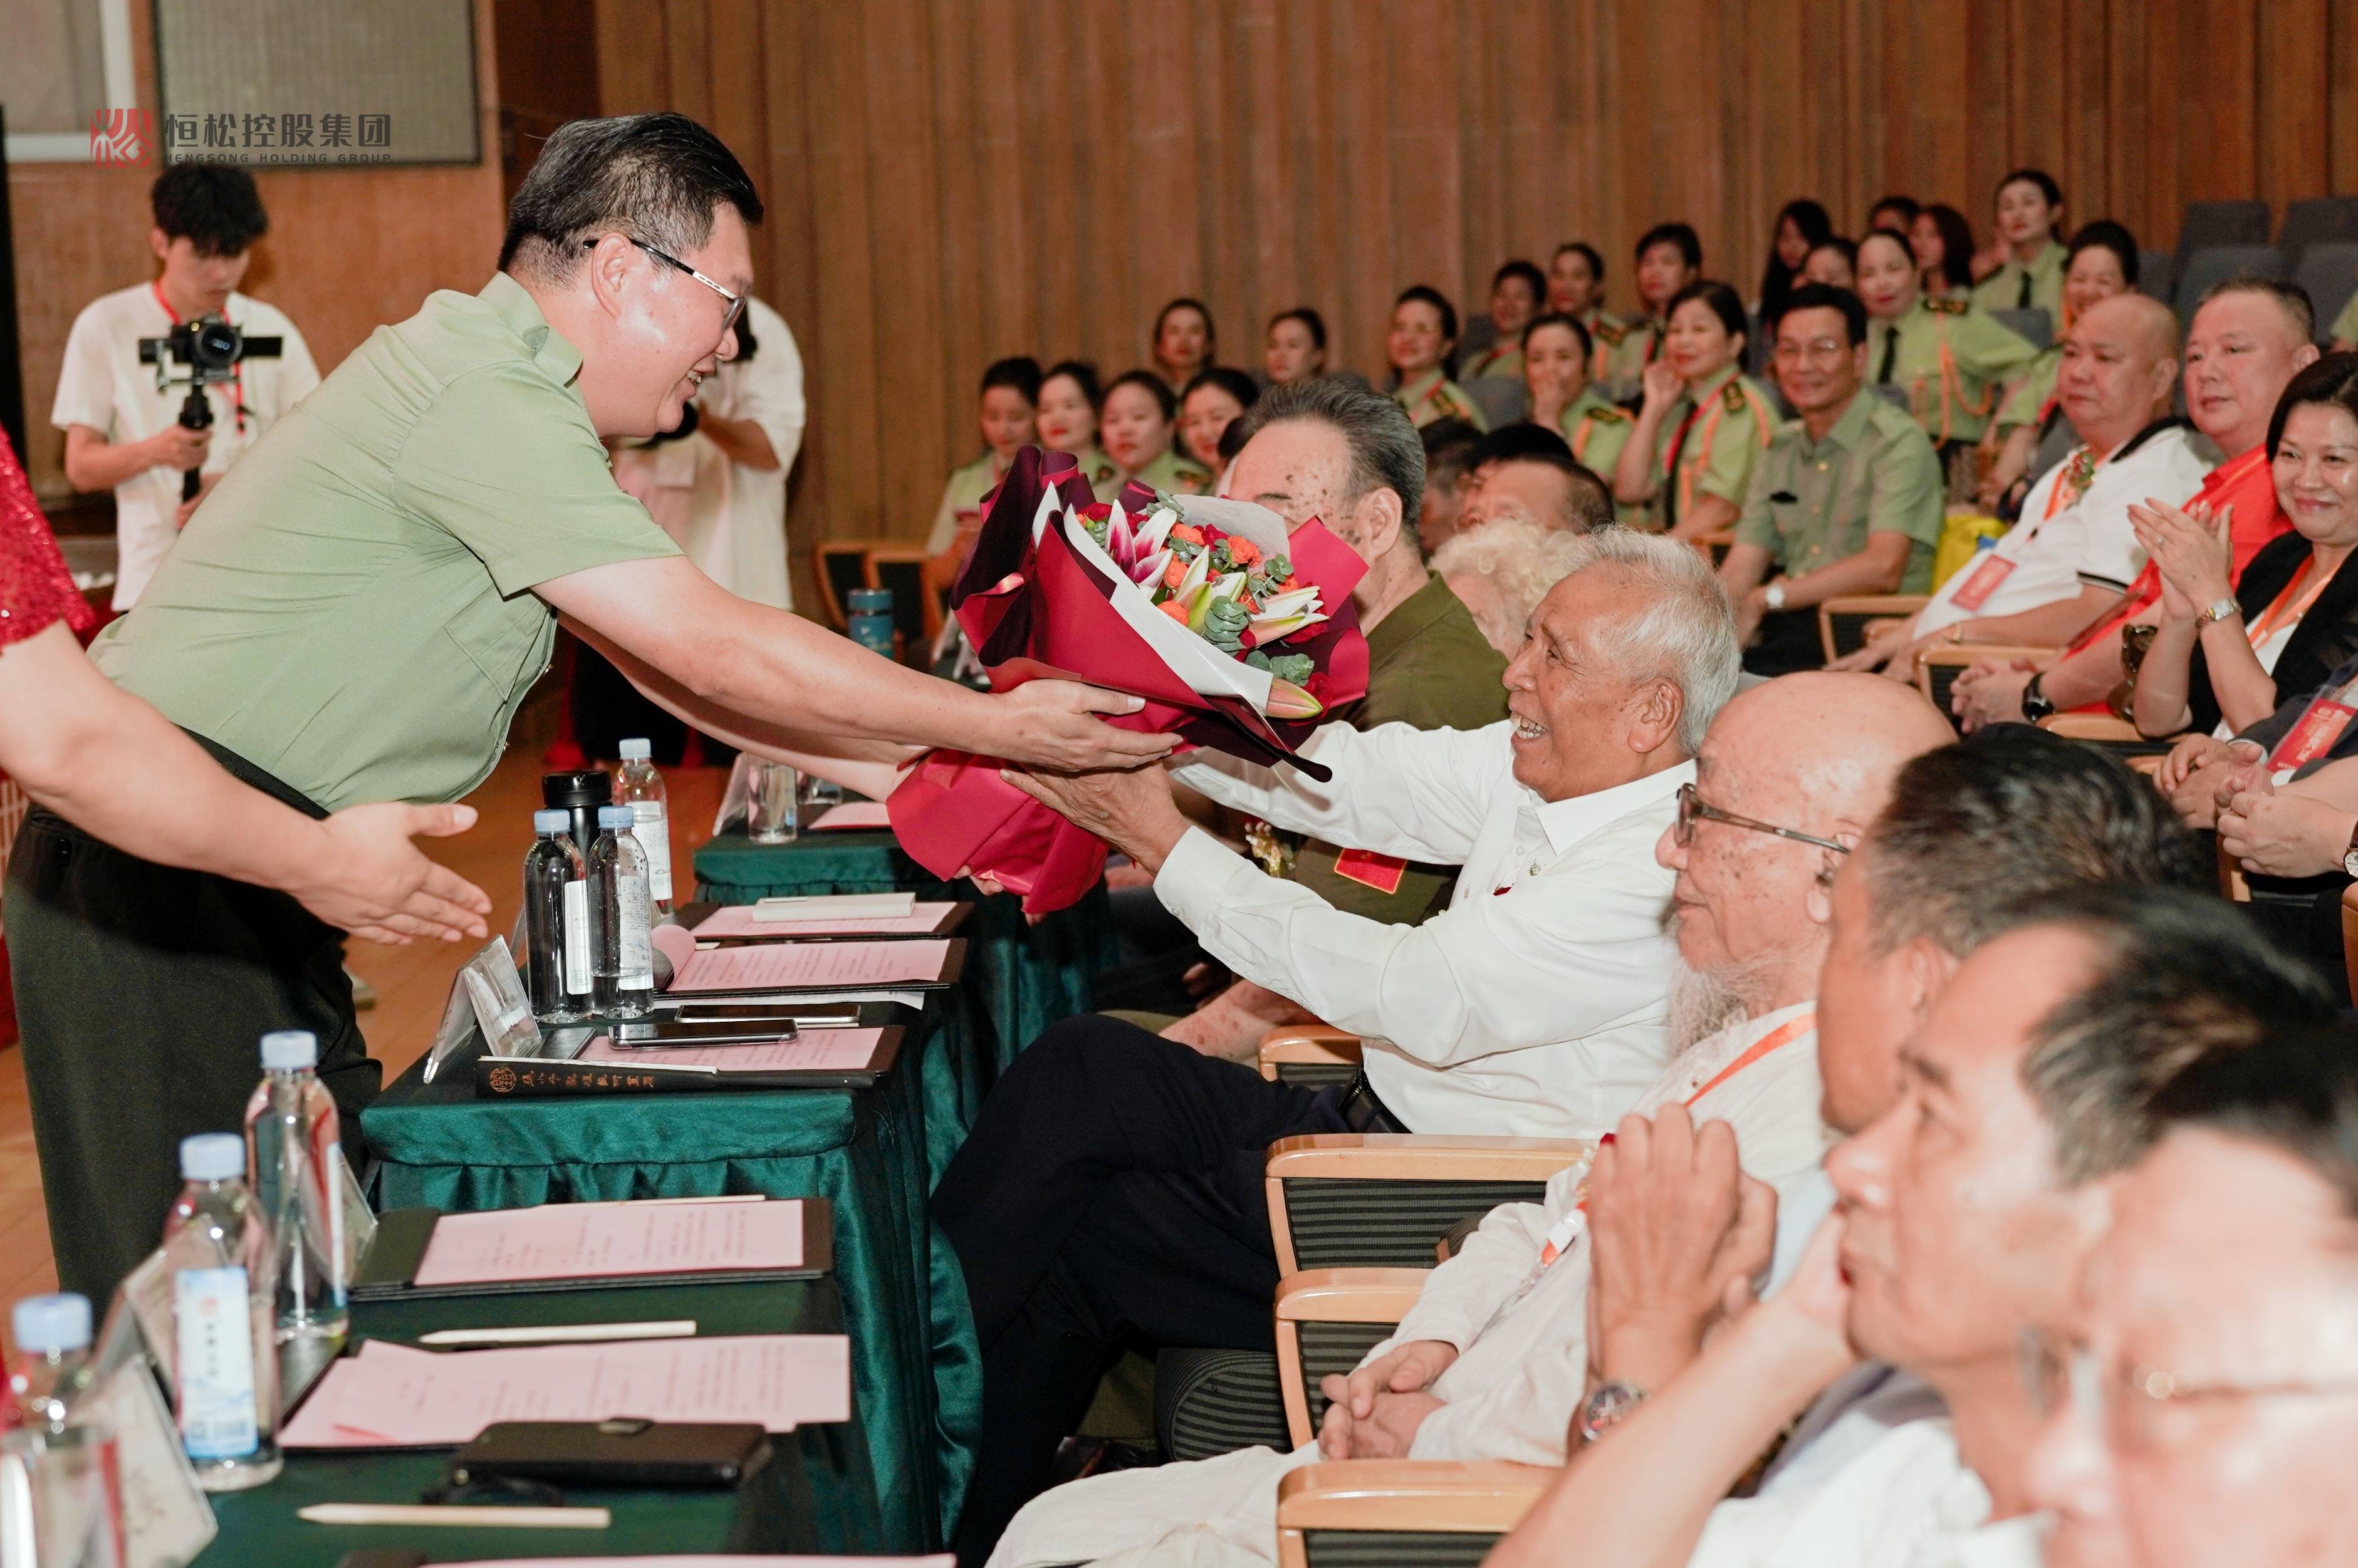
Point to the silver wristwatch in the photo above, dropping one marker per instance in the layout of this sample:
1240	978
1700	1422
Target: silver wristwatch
2220	611
1608	1407
1773	596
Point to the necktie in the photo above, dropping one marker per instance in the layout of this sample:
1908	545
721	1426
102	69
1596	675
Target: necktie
1891	353
2022	300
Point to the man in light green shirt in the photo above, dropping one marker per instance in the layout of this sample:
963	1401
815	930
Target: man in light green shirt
357	613
1847	499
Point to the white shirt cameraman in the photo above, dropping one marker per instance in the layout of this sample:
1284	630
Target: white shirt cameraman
104	389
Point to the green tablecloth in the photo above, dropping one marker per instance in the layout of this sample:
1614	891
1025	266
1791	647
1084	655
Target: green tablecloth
817	1495
915	1369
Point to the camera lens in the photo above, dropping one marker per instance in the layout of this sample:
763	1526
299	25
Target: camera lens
216	343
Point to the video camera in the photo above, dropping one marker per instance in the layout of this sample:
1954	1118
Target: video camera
211	350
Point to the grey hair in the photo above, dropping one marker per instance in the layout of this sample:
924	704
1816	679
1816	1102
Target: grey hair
1521	558
1685	633
1386	451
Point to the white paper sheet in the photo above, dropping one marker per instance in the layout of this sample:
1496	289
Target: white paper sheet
942	1561
812	1051
396	1396
577	1241
810	965
833	906
741	920
852	814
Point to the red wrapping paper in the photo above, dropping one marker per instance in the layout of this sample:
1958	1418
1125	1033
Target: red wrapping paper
1038	610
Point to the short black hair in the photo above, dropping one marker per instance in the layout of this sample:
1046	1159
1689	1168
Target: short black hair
1425	293
2296	1092
1081	373
2291	298
1586	252
2180	976
1512	443
1570	322
1187	302
1842	245
1534	278
2331	380
1827	296
657	178
213	206
1020	372
1452	448
1680	234
1907	204
1229	379
2108	235
2037	177
1165	398
1312	322
1719	299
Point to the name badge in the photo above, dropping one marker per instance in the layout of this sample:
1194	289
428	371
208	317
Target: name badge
1381	872
1976	590
2313	737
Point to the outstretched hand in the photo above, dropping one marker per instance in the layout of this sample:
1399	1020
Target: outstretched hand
369	879
1133	810
1053	724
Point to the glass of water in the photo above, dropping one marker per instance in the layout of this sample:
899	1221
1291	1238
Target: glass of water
770	811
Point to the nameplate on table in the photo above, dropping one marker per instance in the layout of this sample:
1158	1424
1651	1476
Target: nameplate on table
746	921
568	1247
394	1395
832	906
767	967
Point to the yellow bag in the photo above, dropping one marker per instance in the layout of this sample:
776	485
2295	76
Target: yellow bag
1961	535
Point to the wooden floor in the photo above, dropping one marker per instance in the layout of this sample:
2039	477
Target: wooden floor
411	983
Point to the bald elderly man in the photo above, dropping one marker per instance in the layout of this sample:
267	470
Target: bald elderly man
2073	555
1491	1363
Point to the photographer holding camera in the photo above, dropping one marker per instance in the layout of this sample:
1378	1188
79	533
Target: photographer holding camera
142	363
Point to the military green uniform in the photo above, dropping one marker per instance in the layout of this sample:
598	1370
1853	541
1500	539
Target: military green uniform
1628	347
961	497
2029	399
1503	360
2036	286
1433	397
1950	359
1100	470
1170	472
1706	444
2345	326
1596	430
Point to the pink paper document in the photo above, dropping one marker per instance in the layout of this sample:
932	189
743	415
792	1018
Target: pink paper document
811	966
814	1050
850	815
738	920
942	1561
588	1241
391	1396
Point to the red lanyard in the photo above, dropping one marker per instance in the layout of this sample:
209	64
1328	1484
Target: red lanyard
1785	1033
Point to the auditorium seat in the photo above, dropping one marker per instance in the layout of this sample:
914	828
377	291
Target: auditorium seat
843	566
2217	264
2210	224
2034	324
1412	1513
1843	621
2157	271
2329	273
2318	221
1937	669
1503	399
1311	1055
1328	1321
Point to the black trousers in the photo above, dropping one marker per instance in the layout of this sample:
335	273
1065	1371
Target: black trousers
143	993
1109	1198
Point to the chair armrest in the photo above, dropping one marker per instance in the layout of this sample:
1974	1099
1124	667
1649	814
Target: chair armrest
1328	1321
1387	1198
1481	1496
1348	1295
1937	668
1863	606
1318	1046
1423	1157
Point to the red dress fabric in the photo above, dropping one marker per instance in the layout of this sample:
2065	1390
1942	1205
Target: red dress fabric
35	589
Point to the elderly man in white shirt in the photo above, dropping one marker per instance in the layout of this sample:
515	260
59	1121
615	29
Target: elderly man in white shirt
1110	1190
2072	554
1964	1213
1491	1360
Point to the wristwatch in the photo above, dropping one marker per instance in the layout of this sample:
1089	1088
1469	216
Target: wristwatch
1773	596
1608	1407
2036	704
2220	611
2350	854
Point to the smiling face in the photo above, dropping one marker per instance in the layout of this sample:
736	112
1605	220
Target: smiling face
1572	286
2229	1262
1135	432
2094	273
1293	354
2317	474
1183	343
1512	305
1009	421
1580	713
661	328
1829	266
1415	343
1662	270
1924	240
2241	351
1698	343
1066	422
1793	245
1554	363
1955	1234
2025	218
1817	365
1203	418
1887	281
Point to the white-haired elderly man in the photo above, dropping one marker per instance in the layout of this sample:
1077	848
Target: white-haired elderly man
1110	1194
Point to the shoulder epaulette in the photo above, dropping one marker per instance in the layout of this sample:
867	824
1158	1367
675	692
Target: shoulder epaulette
1947	306
1732	397
1610	414
1611	333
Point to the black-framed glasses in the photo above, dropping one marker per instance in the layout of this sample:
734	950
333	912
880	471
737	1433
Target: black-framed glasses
1693	810
736	301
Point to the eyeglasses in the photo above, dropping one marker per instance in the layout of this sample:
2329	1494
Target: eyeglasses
736	301
2131	1405
1691	810
1824	351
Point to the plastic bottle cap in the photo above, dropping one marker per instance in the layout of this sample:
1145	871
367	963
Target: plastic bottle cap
551	821
615	817
284	1050
873	600
634	751
212	1157
47	1325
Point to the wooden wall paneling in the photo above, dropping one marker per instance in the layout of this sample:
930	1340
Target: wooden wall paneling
2082	120
2168	123
2342	83
908	254
789	237
845	390
958	240
1360	68
632	78
2218	81
687	37
1422	147
1273	203
2294	101
1107	244
2130	110
1988	113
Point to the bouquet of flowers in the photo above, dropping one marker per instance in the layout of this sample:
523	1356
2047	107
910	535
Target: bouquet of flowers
1238	636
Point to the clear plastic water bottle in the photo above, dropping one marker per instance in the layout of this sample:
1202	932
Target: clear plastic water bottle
640	788
556	921
291	1134
52	1371
624	973
869	617
217	1248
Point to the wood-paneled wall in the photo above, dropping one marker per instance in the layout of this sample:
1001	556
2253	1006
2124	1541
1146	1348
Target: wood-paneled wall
949	181
348	249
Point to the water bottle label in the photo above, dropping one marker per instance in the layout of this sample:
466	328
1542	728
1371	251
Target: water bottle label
649	827
577	937
637	971
213	1330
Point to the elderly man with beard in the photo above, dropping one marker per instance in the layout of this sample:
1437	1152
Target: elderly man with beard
1490	1362
1964	1213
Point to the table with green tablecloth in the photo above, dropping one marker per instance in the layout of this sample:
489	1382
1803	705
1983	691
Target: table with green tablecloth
816	1495
915	1370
